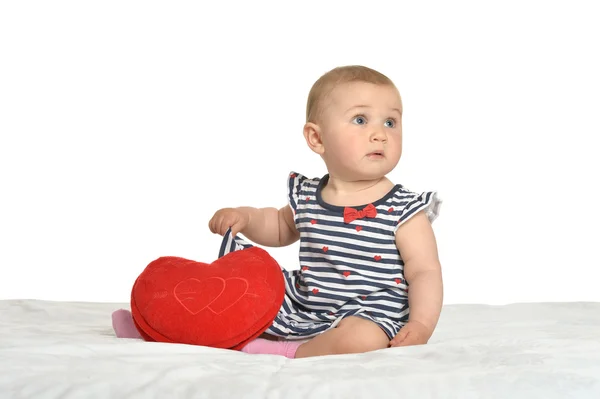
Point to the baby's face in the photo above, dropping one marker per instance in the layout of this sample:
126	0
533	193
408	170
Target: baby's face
362	131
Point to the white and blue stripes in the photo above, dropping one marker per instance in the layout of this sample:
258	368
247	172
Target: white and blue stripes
345	268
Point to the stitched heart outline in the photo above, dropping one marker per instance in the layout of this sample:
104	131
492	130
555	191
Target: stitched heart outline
214	293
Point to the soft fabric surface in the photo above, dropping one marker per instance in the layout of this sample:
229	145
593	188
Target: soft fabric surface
68	350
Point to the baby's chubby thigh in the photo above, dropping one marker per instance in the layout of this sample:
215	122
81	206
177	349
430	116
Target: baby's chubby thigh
353	334
357	335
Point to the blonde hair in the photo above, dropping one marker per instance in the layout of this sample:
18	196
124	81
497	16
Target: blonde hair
337	76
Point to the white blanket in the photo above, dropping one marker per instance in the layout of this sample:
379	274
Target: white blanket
68	350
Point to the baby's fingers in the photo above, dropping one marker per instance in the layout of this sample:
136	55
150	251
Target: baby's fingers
212	225
401	336
215	225
236	228
224	225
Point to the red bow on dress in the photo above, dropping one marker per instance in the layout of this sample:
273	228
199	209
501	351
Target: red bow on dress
351	214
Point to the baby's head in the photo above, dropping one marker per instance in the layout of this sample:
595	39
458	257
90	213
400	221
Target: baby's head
354	122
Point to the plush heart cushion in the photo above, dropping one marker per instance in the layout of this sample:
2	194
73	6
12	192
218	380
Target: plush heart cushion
224	304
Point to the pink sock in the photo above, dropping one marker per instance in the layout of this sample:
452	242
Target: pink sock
122	322
265	347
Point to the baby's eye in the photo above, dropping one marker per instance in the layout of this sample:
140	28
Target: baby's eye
390	123
359	120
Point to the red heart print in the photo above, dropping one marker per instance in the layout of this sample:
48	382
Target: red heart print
297	285
346	274
364	297
315	291
293	175
304	268
307	199
390	210
377	257
325	249
215	293
313	221
358	228
398	281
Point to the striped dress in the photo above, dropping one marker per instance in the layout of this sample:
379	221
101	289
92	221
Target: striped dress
349	262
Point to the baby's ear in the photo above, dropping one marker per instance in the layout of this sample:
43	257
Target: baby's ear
312	135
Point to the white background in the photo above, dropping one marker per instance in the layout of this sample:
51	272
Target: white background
125	125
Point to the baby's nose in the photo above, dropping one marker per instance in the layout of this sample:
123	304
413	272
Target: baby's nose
379	135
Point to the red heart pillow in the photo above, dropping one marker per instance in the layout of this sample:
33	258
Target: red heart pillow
224	304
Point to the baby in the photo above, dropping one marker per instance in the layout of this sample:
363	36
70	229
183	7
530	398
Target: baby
363	239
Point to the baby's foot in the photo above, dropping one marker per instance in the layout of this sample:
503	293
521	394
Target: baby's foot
122	323
268	347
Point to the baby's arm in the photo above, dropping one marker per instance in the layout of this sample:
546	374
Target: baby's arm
417	245
270	227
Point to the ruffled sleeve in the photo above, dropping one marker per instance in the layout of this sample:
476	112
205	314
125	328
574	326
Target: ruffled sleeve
294	188
413	203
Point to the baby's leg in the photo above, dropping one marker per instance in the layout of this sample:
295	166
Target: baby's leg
352	335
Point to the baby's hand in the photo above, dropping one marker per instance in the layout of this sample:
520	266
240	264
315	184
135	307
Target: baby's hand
413	333
225	218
